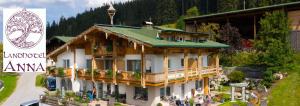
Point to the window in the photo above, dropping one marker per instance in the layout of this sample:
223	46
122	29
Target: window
194	39
109	46
171	38
134	65
100	90
198	84
166	91
89	64
148	66
66	63
108	64
182	62
180	39
108	87
140	93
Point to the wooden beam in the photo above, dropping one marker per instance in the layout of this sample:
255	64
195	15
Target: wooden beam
114	61
74	71
186	57
93	57
165	66
254	27
143	69
199	63
206	87
217	62
93	68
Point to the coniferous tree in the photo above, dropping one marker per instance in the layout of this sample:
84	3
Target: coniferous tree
228	5
166	11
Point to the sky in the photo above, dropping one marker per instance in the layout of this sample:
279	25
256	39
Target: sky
54	8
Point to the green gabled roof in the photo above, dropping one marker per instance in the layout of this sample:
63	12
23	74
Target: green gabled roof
245	10
149	36
62	38
166	28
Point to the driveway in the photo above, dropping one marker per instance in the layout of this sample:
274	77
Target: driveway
25	90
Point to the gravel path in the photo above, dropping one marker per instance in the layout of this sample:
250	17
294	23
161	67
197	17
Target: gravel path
25	91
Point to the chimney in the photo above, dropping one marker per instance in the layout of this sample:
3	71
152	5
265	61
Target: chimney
147	24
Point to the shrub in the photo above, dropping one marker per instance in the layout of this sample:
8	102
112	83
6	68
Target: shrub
191	102
268	78
88	71
137	75
236	76
41	80
109	73
61	72
159	104
243	58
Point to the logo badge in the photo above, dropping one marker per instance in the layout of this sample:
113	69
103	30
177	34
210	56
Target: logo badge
22	25
24	40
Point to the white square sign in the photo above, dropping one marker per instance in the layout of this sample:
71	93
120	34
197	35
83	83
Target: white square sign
24	40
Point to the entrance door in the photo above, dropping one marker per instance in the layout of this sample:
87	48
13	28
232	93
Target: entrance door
100	90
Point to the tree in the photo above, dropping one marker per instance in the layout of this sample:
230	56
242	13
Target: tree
228	5
262	3
273	46
231	36
166	11
180	23
192	12
211	28
27	23
1	58
251	3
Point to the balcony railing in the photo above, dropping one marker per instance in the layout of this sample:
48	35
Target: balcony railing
131	76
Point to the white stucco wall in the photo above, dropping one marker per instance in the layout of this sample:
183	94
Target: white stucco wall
153	97
204	60
65	55
176	90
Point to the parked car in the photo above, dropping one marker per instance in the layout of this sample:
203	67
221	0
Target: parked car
31	103
1	85
51	83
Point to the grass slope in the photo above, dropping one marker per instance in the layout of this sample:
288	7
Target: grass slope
10	83
40	80
286	92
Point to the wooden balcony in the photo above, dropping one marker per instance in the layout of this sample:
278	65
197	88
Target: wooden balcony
103	51
68	72
209	70
130	77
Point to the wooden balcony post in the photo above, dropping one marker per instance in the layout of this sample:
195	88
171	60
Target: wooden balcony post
186	57
93	56
206	87
143	67
165	66
199	63
217	62
93	67
74	70
114	62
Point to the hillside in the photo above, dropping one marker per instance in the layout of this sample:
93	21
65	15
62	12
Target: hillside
134	12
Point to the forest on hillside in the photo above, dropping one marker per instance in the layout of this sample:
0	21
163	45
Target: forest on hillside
160	12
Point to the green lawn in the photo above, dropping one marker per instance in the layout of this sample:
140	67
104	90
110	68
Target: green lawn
40	80
238	103
10	83
286	92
